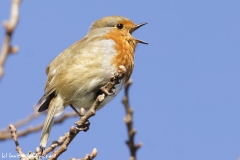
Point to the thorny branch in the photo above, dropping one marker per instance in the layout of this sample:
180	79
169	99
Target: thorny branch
9	27
129	122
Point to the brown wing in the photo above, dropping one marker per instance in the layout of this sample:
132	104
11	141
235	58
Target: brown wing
55	69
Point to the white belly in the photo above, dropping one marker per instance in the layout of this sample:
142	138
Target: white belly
88	100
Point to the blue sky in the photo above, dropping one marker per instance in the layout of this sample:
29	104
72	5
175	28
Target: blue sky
186	90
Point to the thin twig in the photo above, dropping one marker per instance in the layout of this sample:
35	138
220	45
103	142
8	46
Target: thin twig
88	156
9	27
15	138
22	122
5	135
22	156
81	124
53	145
129	122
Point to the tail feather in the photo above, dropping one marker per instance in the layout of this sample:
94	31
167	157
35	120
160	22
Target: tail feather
45	101
52	109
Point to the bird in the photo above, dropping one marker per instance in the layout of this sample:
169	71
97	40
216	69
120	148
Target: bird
75	76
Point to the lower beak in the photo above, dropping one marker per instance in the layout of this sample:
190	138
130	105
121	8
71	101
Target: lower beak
135	28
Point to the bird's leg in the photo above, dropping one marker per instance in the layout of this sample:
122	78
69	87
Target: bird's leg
75	110
108	89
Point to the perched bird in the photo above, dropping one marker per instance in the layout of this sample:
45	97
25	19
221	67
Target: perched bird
76	75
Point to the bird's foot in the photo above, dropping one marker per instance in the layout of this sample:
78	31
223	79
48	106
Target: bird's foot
84	127
104	89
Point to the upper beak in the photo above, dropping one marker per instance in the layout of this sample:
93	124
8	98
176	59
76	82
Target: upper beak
135	28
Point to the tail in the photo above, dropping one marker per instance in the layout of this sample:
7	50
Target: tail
45	101
54	109
48	123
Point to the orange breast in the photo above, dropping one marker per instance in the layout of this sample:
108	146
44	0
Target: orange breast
125	47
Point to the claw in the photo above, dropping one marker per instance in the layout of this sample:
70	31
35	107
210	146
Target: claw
113	90
111	78
103	89
83	127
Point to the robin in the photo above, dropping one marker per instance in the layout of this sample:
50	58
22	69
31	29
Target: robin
76	75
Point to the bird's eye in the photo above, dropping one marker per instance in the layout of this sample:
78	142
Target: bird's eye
119	26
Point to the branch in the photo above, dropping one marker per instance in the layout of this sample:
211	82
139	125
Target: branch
83	124
9	27
129	122
22	122
52	146
22	156
88	157
14	135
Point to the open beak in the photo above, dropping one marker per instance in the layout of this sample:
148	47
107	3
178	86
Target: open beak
135	28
